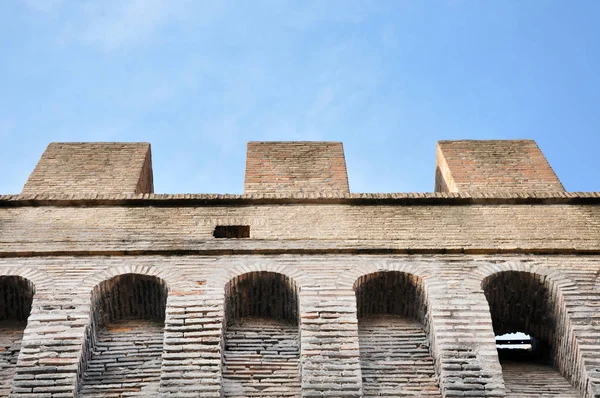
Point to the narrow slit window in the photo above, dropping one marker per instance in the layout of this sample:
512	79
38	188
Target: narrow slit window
232	231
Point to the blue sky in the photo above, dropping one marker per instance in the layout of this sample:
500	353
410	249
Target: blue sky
199	79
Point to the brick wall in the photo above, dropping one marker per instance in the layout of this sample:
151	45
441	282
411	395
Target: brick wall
490	225
295	167
493	165
331	293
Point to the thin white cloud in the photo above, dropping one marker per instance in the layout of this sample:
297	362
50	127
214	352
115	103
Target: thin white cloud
46	6
114	24
308	13
324	98
7	128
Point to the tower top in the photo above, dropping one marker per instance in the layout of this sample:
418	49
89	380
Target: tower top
92	167
295	167
493	165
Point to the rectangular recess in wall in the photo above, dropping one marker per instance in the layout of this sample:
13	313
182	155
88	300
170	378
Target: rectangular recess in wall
232	231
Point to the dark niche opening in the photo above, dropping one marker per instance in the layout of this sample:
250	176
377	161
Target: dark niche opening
232	231
262	294
16	298
393	343
130	296
522	315
526	320
390	293
124	343
261	353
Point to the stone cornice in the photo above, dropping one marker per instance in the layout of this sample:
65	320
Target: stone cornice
412	199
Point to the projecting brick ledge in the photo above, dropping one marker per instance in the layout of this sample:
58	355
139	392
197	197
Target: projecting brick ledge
429	198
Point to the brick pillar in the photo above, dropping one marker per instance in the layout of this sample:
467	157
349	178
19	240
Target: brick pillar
329	343
577	354
51	349
92	168
191	364
463	343
293	168
492	166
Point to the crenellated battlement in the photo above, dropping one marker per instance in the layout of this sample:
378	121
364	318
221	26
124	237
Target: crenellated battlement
293	169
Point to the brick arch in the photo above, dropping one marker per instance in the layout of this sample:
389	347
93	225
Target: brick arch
565	353
172	279
262	293
125	334
145	294
556	277
348	278
521	301
431	284
40	280
261	307
391	293
394	327
222	275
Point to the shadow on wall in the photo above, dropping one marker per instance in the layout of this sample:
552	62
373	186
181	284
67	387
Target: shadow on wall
394	349
525	302
16	298
125	337
261	355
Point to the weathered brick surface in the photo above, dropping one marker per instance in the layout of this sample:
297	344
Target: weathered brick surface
11	333
395	359
126	360
302	227
261	358
51	349
295	167
92	167
535	380
493	165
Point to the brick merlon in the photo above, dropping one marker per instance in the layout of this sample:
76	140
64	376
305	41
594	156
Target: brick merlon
295	167
492	166
92	168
